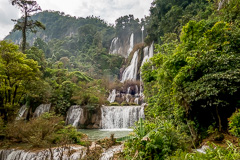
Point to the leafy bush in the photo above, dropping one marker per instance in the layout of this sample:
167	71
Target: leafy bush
234	124
214	152
44	131
159	143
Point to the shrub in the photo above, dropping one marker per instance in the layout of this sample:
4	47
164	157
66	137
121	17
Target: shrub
234	124
214	152
44	131
159	143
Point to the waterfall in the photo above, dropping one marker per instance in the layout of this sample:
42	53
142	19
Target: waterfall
41	109
136	100
151	50
114	47
145	51
73	115
128	96
112	96
117	117
22	112
130	73
64	153
136	90
131	40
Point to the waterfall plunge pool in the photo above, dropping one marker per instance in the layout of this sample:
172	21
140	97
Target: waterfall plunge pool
96	134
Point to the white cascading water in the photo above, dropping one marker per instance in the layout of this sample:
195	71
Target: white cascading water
121	117
131	45
145	51
128	96
41	109
136	90
136	100
22	111
63	153
130	73
112	96
151	50
114	47
73	115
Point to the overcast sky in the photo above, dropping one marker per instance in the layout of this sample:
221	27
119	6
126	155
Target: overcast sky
109	10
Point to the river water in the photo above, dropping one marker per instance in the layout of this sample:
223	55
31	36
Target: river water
96	134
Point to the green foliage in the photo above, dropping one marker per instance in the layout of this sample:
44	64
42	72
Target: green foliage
162	139
168	16
201	74
214	152
234	124
91	93
44	131
16	74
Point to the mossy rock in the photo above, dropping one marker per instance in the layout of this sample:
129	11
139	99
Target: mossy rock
124	104
114	104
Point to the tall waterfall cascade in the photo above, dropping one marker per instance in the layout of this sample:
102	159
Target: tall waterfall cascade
41	109
120	117
131	45
130	73
73	115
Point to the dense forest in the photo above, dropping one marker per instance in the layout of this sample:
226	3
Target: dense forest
191	84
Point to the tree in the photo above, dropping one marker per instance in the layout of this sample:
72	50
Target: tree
25	23
16	72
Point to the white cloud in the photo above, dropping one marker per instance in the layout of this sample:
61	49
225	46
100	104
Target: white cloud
109	10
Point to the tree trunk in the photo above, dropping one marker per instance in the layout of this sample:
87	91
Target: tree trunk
14	95
219	120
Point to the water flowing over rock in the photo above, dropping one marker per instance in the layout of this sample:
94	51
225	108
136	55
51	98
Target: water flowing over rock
112	96
63	153
131	45
108	154
114	48
22	113
117	117
151	50
130	73
41	109
73	115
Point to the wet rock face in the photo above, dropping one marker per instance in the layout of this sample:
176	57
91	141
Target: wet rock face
131	94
